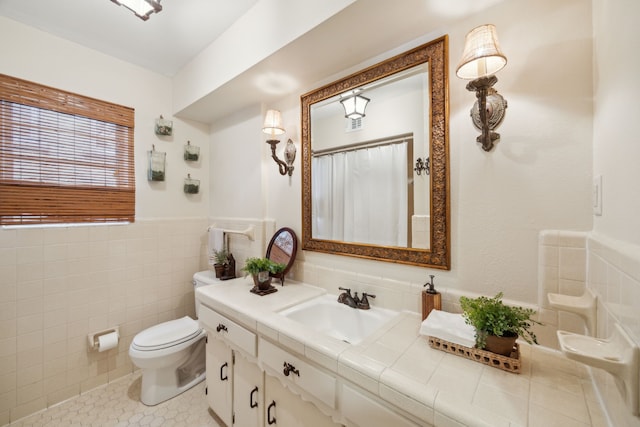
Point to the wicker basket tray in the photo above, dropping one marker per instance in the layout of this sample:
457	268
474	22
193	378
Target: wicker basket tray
509	364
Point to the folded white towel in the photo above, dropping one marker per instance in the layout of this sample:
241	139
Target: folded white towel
215	242
449	327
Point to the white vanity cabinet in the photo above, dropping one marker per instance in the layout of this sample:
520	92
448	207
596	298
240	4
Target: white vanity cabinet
254	381
235	385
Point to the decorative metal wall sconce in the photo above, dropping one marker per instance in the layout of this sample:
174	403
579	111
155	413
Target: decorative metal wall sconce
273	126
164	127
141	8
422	166
482	58
354	105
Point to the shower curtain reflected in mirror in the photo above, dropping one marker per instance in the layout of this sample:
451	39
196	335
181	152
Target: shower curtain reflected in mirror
362	195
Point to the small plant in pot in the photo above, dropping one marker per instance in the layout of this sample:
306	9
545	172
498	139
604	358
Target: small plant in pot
261	269
497	325
221	258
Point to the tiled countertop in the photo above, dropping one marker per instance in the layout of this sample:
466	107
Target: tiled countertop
398	365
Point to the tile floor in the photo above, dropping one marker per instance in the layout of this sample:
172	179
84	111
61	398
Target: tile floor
118	405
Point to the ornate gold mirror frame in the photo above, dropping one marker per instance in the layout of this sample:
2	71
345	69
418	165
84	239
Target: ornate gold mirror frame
435	54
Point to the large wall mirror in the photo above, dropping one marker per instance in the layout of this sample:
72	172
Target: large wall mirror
377	186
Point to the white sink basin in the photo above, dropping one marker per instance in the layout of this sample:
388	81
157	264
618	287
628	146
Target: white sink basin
326	315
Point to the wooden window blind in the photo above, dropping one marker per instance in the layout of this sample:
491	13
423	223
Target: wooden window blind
64	158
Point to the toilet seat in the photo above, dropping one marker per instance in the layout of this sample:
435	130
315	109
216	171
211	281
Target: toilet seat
167	334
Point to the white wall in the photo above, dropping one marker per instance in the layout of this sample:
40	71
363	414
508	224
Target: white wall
614	255
59	284
616	111
235	174
54	62
538	176
234	52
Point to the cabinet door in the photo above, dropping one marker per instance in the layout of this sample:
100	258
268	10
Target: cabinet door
248	393
283	408
220	379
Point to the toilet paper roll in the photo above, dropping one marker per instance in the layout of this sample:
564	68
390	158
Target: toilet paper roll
107	341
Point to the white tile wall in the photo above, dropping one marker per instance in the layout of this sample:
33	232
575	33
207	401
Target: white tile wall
59	284
571	261
562	262
614	274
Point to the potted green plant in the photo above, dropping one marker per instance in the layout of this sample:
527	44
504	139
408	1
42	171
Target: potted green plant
221	258
498	325
260	269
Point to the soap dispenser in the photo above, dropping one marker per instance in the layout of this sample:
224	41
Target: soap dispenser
431	299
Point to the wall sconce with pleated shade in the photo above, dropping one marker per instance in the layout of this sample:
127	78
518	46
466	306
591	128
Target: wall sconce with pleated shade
273	126
481	59
354	105
141	8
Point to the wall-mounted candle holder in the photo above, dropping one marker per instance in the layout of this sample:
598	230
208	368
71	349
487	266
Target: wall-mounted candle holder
191	186
191	152
155	171
163	126
422	166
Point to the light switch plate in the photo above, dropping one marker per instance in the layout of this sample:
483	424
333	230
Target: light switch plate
597	195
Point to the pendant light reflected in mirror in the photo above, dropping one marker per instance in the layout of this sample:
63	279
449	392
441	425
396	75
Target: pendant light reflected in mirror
354	105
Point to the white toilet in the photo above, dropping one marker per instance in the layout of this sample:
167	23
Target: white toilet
171	354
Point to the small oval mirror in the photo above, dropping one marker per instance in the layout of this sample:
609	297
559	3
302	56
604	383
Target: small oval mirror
282	249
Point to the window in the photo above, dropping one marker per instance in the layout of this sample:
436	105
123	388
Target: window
64	158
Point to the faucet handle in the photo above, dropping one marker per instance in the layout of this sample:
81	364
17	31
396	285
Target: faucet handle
342	298
364	302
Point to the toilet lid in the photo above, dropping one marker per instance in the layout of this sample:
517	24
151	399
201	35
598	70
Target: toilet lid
167	334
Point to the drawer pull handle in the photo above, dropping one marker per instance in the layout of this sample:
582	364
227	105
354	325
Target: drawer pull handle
252	403
221	327
290	369
271	419
225	377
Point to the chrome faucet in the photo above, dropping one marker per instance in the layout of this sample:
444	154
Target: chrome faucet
346	298
364	302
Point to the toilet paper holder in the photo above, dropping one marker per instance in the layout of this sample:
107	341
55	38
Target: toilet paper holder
94	338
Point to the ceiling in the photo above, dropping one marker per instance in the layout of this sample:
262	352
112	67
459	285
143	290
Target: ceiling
167	41
164	43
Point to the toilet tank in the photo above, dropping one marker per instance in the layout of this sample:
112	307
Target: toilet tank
203	278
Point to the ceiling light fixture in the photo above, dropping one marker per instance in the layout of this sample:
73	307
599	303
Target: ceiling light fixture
354	105
142	8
